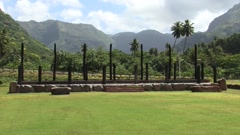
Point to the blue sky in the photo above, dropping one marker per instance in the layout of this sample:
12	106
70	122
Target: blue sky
113	16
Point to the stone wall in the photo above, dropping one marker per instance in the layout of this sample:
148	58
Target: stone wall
27	88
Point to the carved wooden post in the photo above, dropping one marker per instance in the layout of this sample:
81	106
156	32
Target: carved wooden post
84	61
146	71
110	62
114	72
202	71
104	75
69	74
170	62
19	75
198	75
214	74
141	62
39	74
166	74
175	71
135	74
54	62
195	61
21	63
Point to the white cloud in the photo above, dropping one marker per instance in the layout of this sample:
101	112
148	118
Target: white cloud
2	6
69	3
71	15
26	10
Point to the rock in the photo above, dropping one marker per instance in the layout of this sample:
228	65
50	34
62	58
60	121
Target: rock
166	87
156	87
13	87
210	88
179	87
86	88
49	87
26	89
60	90
75	87
39	88
222	84
148	87
98	88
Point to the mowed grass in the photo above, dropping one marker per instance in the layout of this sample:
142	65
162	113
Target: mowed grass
99	113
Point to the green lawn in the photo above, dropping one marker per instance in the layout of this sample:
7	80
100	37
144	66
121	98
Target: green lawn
98	113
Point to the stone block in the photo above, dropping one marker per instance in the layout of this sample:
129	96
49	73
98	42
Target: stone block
222	84
49	87
60	90
98	88
86	88
166	87
26	89
148	87
179	87
156	87
75	87
39	88
13	87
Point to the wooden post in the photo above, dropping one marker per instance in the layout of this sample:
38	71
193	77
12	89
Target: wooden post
114	72
104	75
146	71
195	61
175	71
19	75
39	74
166	74
54	62
135	74
21	63
214	74
84	61
202	71
141	62
170	62
86	72
198	75
110	61
69	74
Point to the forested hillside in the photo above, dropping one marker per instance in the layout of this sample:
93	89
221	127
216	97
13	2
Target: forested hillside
12	36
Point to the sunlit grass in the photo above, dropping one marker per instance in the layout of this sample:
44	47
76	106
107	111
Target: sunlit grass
147	113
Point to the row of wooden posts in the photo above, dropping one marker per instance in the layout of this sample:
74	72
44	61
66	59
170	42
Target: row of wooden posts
199	70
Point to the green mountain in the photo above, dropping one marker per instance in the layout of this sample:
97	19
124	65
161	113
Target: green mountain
149	39
35	52
222	26
67	36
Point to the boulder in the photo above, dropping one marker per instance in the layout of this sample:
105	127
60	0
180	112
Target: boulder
179	87
39	88
166	87
156	87
75	87
26	89
148	87
98	88
60	90
222	84
86	88
49	87
13	87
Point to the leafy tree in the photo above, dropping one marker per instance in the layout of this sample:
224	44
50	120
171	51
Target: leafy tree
153	51
4	40
187	30
177	31
134	46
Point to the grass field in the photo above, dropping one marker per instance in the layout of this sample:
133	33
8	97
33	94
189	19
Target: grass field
98	113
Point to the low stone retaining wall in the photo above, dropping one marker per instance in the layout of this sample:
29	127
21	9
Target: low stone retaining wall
27	88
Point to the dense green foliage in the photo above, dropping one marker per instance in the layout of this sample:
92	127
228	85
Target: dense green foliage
11	37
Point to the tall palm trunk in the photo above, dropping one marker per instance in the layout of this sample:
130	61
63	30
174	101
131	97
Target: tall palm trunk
174	44
185	44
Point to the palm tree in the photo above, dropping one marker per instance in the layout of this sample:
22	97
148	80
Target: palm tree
134	46
177	31
153	51
187	31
